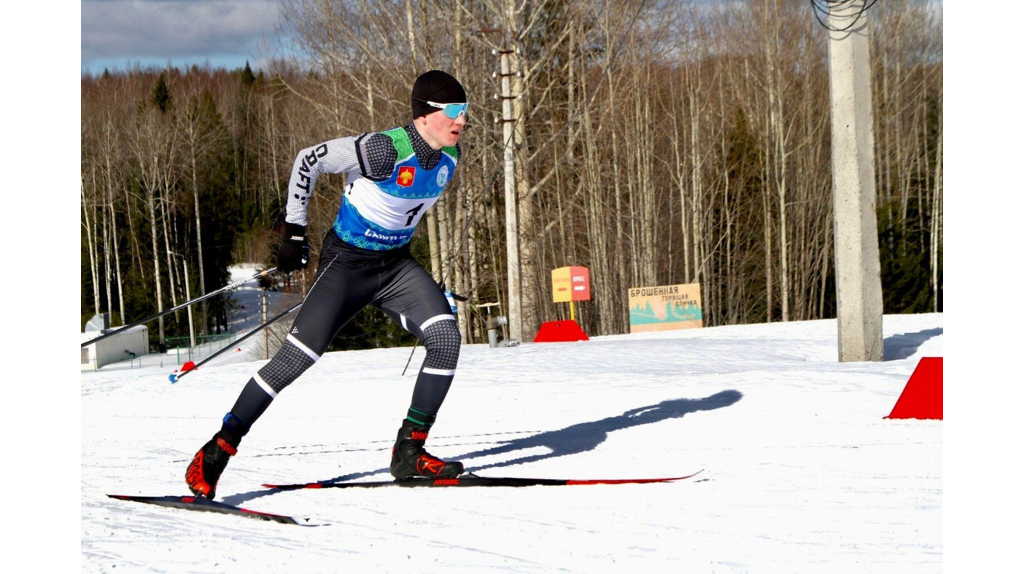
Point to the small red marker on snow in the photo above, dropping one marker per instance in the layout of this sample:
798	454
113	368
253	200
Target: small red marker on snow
184	369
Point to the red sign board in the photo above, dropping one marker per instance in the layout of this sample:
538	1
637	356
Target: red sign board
570	284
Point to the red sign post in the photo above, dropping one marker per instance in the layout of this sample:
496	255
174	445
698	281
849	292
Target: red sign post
568	284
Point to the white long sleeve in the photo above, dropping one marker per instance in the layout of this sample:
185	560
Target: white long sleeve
334	156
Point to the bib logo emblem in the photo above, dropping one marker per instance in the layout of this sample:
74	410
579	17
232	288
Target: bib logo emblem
442	176
406	175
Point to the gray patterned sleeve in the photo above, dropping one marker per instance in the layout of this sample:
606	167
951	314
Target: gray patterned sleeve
335	156
377	156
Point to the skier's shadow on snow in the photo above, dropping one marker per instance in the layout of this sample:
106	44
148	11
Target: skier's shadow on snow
575	439
585	437
904	345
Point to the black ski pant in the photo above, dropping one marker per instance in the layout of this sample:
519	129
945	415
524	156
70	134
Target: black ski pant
347	280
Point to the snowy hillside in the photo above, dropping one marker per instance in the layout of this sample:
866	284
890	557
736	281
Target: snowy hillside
801	472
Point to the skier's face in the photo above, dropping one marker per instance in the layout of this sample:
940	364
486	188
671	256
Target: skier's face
439	130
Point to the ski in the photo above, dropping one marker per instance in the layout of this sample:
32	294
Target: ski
472	480
201	504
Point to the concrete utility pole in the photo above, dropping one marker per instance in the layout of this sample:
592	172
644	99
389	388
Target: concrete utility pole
264	309
515	299
191	322
858	271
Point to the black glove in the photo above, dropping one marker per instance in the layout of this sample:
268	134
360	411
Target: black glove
294	251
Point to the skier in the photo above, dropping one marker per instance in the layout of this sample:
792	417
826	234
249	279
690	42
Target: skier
394	177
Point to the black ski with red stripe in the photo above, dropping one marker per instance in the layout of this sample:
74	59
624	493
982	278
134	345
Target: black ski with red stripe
472	480
201	504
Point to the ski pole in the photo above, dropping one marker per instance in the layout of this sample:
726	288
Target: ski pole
179	307
456	297
189	367
410	357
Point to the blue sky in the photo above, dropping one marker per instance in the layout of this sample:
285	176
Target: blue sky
223	33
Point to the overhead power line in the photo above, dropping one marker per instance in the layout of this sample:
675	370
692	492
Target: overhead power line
824	8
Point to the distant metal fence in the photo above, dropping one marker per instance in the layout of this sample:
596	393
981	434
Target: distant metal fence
206	345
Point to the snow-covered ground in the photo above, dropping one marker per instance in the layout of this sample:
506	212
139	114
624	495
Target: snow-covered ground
801	471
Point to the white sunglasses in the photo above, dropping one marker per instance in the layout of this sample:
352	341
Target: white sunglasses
451	111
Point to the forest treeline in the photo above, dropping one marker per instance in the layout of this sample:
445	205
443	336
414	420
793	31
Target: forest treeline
655	142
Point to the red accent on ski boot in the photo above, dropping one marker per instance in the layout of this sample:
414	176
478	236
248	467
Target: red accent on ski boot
410	460
207	465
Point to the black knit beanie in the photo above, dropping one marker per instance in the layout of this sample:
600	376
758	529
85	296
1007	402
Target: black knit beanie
435	86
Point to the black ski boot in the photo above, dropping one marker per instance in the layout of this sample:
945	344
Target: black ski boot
207	465
410	460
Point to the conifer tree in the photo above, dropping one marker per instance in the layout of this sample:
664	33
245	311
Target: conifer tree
162	94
